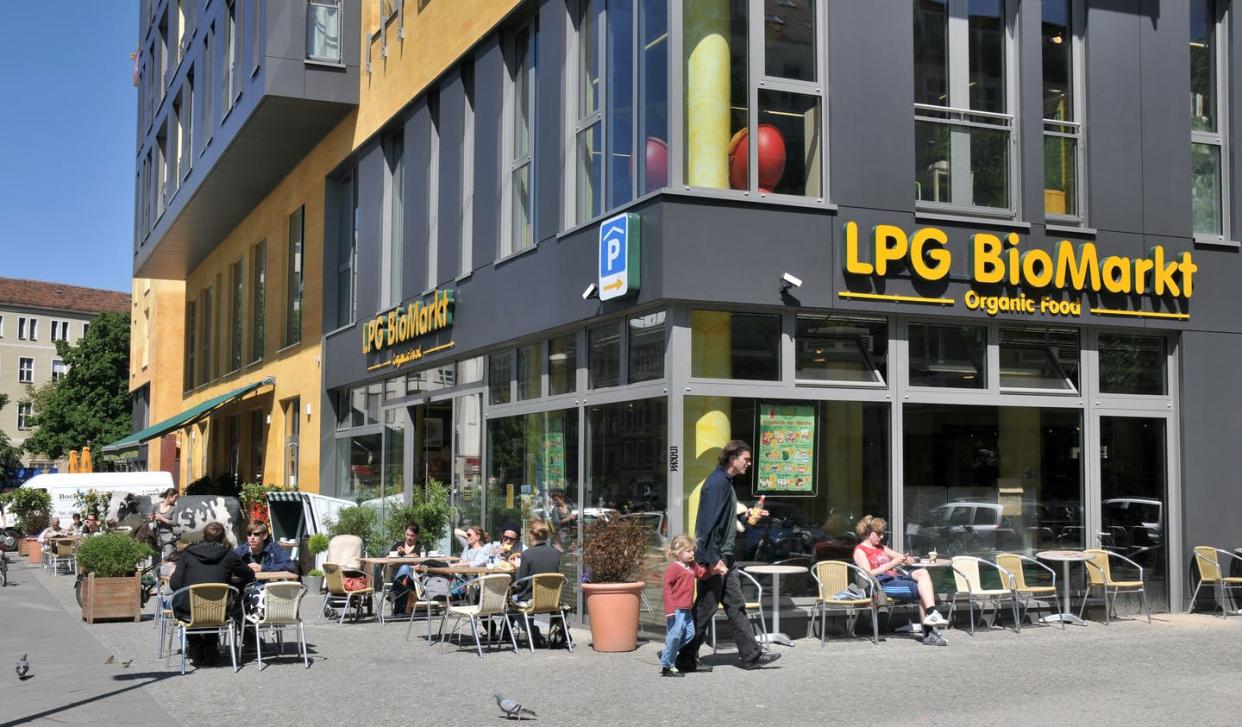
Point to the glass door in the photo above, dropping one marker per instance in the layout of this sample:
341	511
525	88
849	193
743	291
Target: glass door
1134	473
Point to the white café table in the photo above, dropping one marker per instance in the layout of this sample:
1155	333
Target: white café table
1064	557
776	571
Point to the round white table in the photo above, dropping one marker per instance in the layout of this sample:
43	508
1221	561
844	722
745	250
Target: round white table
776	571
1064	557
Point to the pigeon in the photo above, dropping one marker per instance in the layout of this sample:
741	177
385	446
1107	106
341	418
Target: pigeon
23	667
127	663
512	709
110	659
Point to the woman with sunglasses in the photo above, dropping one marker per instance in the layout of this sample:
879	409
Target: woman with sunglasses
881	562
478	543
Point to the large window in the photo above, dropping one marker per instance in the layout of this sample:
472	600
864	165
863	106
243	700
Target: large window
293	279
237	283
620	127
25	370
948	356
963	131
735	346
433	192
1209	152
562	364
529	457
841	349
1132	364
1034	357
347	251
752	68
633	348
394	233
25	411
191	345
323	30
207	313
519	199
1062	123
258	298
983	479
293	437
466	241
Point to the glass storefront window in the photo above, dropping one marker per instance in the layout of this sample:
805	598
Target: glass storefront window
627	477
795	118
530	456
393	480
529	371
789	39
1133	493
359	460
715	53
735	346
983	479
499	374
394	388
470	370
562	364
646	359
841	348
467	463
1033	357
1132	364
604	357
948	356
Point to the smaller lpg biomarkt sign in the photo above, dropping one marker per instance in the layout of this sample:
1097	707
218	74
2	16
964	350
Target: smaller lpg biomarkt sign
996	259
407	323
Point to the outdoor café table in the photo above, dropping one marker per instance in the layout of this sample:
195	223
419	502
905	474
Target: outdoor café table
776	571
275	575
1065	557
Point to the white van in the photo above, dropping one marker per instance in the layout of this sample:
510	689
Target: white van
63	487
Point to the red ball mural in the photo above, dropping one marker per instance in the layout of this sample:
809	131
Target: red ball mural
771	158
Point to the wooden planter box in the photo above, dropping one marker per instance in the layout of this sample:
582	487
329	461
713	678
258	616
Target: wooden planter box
111	598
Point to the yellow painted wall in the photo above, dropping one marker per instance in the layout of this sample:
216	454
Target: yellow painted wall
296	368
157	308
437	33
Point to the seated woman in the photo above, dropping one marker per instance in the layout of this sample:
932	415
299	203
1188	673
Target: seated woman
540	557
881	562
478	547
402	583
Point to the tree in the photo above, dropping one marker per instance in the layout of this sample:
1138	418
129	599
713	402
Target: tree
90	403
10	456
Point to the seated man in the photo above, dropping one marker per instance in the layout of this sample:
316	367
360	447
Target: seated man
210	561
260	554
540	557
91	526
54	530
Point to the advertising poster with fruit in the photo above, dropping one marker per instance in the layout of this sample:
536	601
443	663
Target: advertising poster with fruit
786	462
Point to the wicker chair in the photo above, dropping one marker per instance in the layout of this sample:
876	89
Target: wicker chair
969	583
545	598
1100	575
161	610
209	614
1014	563
832	578
422	601
493	594
63	551
280	611
754	607
339	596
1207	559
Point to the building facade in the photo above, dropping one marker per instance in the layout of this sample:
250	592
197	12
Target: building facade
973	277
34	315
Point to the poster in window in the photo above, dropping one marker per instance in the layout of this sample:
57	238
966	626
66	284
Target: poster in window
786	461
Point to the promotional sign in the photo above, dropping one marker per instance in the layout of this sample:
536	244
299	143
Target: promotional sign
786	462
618	256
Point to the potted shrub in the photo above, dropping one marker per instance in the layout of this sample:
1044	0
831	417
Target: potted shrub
429	509
612	559
360	521
315	544
113	587
254	500
33	507
313	581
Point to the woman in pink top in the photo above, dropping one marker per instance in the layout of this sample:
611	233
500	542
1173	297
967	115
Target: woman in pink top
881	562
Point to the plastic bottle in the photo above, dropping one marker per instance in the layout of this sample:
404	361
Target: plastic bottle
753	518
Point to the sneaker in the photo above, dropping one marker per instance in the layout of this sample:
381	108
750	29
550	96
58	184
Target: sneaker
934	639
670	671
935	619
763	659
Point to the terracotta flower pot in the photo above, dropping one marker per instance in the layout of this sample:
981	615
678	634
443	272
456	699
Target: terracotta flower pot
34	551
613	611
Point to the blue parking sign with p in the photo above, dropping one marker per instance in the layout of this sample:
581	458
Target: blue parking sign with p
618	256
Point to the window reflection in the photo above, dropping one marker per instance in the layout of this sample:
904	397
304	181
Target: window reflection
948	356
1133	492
1034	357
735	346
1132	364
839	348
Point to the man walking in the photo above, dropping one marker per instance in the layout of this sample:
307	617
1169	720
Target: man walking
714	534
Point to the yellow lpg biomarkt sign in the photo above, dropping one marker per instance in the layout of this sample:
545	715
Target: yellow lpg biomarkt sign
996	259
407	323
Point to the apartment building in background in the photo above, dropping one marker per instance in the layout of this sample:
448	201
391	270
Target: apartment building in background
33	316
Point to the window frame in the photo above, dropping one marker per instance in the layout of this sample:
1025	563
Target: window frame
957	112
1218	139
466	241
433	189
1074	127
237	307
25	410
258	301
511	163
25	369
295	263
392	277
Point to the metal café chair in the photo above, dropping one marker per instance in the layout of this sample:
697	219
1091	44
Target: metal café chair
1030	593
545	599
832	578
1100	575
1207	562
279	611
969	583
209	613
493	593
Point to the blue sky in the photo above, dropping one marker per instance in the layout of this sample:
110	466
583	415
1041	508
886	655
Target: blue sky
67	142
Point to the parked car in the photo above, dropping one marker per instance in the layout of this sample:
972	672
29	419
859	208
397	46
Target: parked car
962	528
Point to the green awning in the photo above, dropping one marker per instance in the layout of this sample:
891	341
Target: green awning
189	416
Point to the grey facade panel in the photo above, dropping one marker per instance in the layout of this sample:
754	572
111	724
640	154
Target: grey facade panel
1030	105
489	79
452	128
549	90
1165	130
1114	114
417	158
864	172
370	229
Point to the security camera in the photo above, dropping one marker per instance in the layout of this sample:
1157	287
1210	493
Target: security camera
789	281
589	292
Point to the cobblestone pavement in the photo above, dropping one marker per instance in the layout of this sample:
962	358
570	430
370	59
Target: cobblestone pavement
1130	672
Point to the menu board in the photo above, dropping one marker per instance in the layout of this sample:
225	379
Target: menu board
554	459
786	462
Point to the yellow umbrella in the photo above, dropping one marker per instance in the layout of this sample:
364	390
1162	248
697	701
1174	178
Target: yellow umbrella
86	465
73	461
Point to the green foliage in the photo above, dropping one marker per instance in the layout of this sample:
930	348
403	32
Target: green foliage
429	509
111	555
315	573
10	455
613	551
91	502
225	485
32	506
90	404
358	520
317	543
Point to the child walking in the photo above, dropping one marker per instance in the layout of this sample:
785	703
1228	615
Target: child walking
679	579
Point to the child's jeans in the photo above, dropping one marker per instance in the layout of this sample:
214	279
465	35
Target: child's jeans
680	632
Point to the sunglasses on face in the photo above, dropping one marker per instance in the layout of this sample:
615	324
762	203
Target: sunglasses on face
254	535
508	538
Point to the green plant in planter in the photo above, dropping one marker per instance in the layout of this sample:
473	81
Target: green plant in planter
32	506
613	551
91	502
317	543
315	573
357	520
429	509
111	555
255	493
